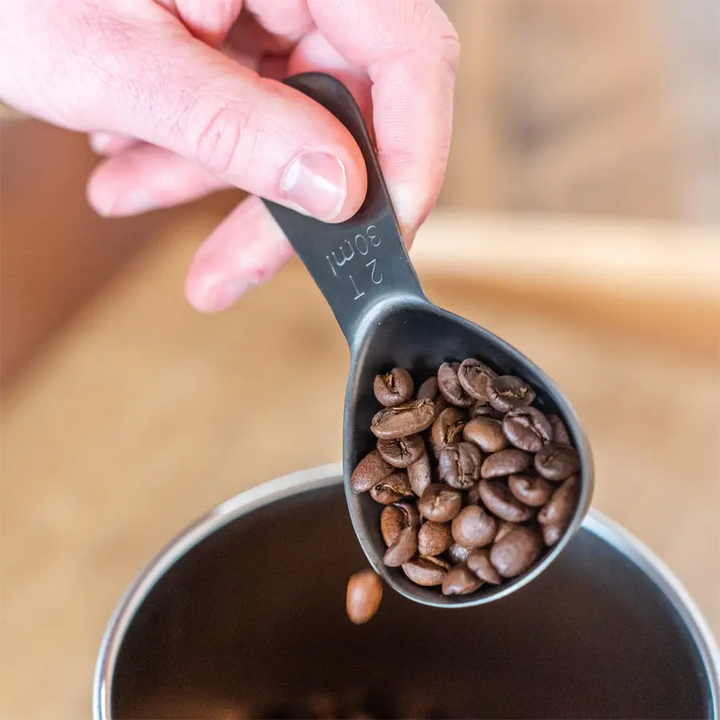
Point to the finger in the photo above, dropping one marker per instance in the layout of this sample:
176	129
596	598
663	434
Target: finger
410	50
145	178
207	20
256	134
314	53
109	143
290	19
246	249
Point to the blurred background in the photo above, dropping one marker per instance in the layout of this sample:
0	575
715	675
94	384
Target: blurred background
579	221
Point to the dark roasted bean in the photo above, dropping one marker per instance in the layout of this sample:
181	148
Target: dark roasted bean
429	390
474	377
486	433
459	465
561	436
473	527
460	581
501	502
447	428
557	462
527	428
392	488
401	452
420	474
516	552
393	388
561	505
457	554
552	534
478	561
505	462
364	593
450	386
404	547
426	571
369	472
395	518
504	527
440	503
484	410
508	392
434	538
403	420
529	490
472	496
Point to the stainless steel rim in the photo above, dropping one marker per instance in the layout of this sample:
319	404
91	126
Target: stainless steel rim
324	476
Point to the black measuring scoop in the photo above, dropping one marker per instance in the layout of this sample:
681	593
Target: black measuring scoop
363	270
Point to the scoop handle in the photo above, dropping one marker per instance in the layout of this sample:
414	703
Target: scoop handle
362	261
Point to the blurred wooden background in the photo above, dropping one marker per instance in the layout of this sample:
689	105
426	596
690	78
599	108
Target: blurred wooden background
586	142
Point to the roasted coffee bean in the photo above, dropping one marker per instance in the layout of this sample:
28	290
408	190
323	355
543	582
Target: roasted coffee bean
529	490
364	593
527	428
459	465
501	502
450	387
552	534
371	470
557	462
473	527
460	581
516	552
504	527
447	428
429	390
474	377
478	561
508	392
397	517
484	410
561	505
434	538
486	433
403	420
561	436
404	547
393	388
457	554
392	488
440	503
401	452
505	462
426	571
420	474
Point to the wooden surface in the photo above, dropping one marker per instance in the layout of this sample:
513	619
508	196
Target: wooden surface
144	414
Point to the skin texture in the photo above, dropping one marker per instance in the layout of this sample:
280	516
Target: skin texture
183	98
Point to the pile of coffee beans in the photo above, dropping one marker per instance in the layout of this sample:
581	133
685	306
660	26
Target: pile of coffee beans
476	481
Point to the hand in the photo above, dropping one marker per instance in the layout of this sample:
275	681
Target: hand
183	98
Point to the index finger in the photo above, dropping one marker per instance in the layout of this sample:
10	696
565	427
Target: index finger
410	51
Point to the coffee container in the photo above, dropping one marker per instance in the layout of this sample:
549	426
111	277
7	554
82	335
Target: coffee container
243	615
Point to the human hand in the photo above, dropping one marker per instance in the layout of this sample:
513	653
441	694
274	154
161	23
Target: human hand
183	98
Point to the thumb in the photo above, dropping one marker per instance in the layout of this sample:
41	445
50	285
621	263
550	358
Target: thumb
255	133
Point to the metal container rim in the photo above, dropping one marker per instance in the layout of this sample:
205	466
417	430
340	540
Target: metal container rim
331	474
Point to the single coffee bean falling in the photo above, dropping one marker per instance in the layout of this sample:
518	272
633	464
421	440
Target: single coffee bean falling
478	482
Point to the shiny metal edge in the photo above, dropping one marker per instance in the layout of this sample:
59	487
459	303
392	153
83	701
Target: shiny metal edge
324	476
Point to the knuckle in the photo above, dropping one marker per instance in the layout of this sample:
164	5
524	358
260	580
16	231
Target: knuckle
218	130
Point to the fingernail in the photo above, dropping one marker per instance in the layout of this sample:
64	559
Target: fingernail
221	296
316	184
132	202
